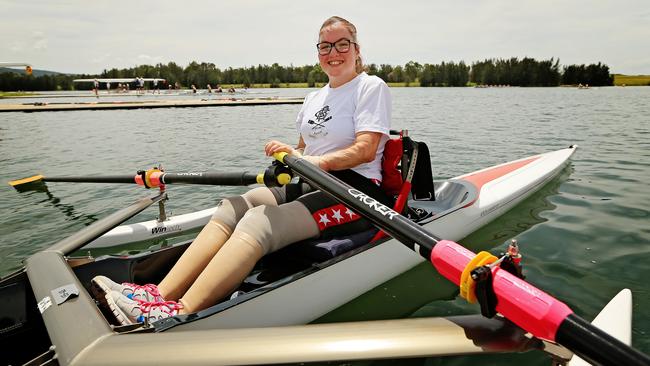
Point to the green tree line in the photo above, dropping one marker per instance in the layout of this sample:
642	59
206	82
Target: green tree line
513	71
596	75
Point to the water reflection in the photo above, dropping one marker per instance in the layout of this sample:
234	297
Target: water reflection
68	210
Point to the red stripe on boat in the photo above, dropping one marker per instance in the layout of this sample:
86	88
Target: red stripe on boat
481	178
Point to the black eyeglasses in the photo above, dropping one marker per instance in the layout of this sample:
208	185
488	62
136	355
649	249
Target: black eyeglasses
342	46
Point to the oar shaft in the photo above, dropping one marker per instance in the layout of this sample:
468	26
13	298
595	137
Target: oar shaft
213	178
587	341
93	179
208	178
517	300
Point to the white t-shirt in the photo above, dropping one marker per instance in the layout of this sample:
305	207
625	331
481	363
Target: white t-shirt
330	118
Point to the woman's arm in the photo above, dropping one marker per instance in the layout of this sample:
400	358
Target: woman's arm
362	150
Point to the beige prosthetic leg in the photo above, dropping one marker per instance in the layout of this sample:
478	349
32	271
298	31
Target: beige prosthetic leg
262	230
224	273
211	238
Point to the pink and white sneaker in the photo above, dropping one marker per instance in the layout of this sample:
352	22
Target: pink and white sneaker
128	311
103	286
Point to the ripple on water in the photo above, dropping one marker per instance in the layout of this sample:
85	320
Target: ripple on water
586	190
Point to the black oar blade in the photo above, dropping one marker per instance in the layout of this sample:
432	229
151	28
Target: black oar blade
34	183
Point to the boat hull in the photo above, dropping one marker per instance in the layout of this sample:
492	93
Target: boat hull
495	195
330	287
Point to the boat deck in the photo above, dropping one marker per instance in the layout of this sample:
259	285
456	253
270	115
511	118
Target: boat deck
80	106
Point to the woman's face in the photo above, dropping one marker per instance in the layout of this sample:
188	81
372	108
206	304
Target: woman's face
340	67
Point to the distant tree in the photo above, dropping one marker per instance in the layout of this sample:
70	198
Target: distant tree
524	72
384	71
411	71
593	74
397	75
372	69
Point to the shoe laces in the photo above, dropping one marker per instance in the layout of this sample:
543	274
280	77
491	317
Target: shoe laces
149	288
165	306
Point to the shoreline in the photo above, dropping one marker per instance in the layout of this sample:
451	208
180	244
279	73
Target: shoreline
620	80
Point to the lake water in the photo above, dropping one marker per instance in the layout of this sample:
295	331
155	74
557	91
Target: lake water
584	237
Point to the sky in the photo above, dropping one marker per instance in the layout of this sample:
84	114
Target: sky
90	36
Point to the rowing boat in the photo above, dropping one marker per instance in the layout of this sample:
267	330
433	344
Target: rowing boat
48	306
466	202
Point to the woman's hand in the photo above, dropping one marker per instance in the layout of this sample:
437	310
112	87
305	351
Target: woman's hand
274	146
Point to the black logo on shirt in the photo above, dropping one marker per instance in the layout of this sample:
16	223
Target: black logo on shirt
318	127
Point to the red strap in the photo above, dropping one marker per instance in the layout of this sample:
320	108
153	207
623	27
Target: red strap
398	207
392	182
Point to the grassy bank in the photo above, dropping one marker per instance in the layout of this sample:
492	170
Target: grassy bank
14	94
631	80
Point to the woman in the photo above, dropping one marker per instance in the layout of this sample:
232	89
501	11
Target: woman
343	128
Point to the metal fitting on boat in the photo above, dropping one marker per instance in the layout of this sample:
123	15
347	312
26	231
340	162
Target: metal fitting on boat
513	249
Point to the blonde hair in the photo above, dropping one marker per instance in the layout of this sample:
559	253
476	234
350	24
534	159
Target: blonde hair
353	32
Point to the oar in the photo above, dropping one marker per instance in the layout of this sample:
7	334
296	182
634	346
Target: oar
528	307
155	178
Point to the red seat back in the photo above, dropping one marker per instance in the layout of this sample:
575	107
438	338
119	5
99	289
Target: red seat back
392	181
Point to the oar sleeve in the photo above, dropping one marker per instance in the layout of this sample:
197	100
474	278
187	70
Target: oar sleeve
525	305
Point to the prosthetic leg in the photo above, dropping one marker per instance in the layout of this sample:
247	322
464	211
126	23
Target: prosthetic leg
262	230
210	240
